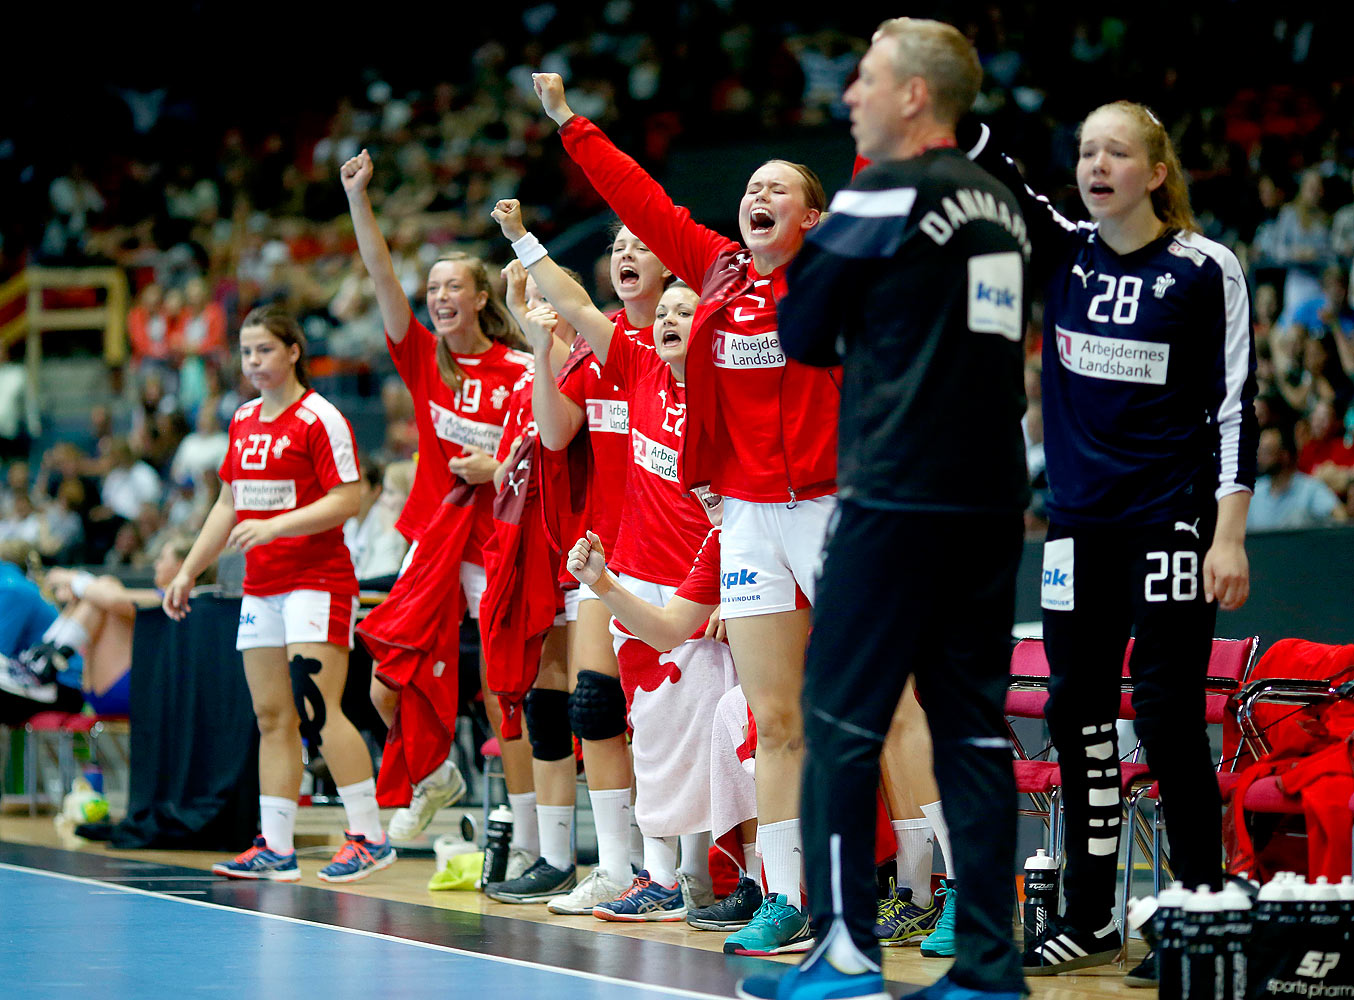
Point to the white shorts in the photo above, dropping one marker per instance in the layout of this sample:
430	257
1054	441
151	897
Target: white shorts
766	549
279	620
473	582
655	593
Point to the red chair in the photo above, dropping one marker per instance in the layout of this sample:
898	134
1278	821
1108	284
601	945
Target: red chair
1036	776
1229	666
1271	712
63	727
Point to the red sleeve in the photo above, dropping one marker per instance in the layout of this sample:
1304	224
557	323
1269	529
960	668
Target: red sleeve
685	247
226	471
701	585
574	386
411	353
621	359
332	449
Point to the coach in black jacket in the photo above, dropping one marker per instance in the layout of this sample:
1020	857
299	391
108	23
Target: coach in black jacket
916	280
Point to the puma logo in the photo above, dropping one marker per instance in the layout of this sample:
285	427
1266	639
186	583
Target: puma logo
1193	529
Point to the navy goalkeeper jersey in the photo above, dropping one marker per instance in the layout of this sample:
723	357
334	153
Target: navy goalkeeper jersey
1149	370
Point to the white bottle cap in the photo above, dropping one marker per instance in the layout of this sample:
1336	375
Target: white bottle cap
1140	911
1204	900
1174	895
1346	888
1040	860
1321	891
1234	897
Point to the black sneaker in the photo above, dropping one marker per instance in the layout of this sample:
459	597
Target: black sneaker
540	882
732	912
1144	975
1064	948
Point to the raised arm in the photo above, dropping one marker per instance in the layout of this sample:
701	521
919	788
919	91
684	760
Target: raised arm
395	311
662	628
685	247
567	297
557	417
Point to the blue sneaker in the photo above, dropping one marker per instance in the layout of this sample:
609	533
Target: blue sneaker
835	971
644	900
777	928
940	943
944	989
358	858
261	862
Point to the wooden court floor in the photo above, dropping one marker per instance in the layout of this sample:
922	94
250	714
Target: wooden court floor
406	883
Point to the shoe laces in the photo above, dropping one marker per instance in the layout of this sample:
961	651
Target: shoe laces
354	847
637	886
258	847
949	895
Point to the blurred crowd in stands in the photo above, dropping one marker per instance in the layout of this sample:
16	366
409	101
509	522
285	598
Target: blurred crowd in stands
213	207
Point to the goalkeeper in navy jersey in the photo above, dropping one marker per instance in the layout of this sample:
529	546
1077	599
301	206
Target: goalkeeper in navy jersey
1150	438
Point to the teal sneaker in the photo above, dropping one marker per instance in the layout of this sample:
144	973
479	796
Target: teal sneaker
835	971
777	928
940	942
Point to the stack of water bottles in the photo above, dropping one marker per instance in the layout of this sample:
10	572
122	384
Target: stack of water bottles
1286	939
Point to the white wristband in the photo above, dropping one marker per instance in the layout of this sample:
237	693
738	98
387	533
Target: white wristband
80	583
529	249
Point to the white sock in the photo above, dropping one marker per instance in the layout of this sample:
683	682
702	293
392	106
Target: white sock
752	863
555	825
611	813
916	852
696	859
941	833
439	775
524	835
782	859
636	848
277	822
66	631
660	859
364	815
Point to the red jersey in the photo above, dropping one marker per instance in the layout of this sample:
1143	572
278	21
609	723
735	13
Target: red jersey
448	421
661	527
606	407
519	421
701	585
763	428
289	462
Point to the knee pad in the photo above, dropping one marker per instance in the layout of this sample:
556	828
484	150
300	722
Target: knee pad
547	714
309	701
597	706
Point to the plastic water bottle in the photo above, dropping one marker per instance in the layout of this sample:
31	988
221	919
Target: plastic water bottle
1235	933
1199	974
497	841
1325	930
1041	895
1346	892
1167	927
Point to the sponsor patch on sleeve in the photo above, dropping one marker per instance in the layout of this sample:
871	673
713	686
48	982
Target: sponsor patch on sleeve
1056	592
995	289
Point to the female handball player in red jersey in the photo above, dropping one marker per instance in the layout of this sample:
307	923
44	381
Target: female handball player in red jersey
460	374
762	432
288	482
660	532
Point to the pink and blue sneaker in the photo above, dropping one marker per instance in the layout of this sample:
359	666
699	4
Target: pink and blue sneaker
644	900
358	858
261	862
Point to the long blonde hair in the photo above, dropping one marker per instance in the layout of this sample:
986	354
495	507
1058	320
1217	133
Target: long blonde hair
1170	200
494	320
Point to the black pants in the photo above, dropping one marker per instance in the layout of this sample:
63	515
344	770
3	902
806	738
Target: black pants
1148	581
930	594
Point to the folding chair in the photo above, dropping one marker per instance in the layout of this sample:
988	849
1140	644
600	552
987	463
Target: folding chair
1035	775
1230	663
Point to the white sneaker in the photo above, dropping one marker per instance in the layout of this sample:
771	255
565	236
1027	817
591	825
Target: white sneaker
594	889
697	897
429	796
518	863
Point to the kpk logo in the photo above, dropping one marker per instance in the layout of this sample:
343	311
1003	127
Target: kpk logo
1002	298
739	578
